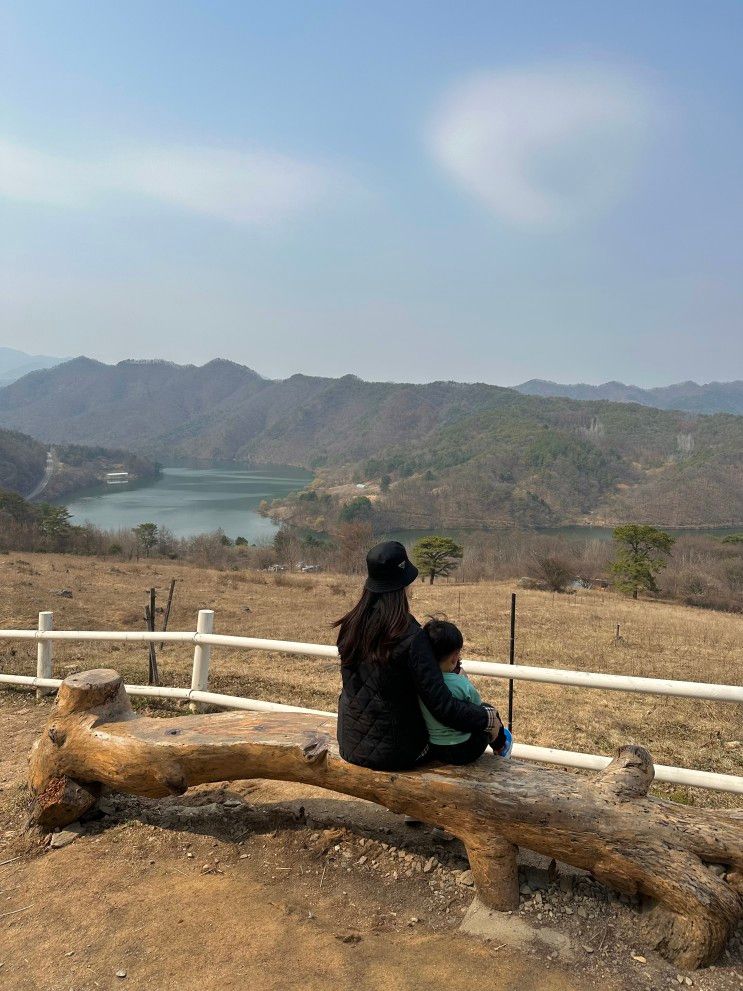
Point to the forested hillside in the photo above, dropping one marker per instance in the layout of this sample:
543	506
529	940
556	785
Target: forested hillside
583	462
23	464
132	404
22	461
428	454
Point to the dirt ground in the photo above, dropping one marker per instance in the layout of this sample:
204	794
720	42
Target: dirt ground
269	885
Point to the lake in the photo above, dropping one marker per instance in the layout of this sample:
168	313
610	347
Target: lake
192	500
189	501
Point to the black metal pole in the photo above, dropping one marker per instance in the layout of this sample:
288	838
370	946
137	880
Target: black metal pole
154	678
512	659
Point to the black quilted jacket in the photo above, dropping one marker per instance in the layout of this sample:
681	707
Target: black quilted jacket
379	721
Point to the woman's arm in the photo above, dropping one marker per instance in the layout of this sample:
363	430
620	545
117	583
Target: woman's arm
429	682
464	689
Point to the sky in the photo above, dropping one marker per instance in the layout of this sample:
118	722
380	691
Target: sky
416	190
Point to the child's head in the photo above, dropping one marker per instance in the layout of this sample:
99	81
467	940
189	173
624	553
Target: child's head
446	641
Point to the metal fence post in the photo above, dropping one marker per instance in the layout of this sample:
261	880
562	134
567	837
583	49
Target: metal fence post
511	659
44	653
202	654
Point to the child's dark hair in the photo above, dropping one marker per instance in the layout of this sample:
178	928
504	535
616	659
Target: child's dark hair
445	637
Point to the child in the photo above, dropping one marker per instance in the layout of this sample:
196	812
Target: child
446	744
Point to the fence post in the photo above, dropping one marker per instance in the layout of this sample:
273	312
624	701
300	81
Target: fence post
511	659
44	653
202	654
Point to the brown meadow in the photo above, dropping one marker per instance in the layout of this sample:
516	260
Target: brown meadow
656	639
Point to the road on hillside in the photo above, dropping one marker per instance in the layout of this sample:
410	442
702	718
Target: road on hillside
51	462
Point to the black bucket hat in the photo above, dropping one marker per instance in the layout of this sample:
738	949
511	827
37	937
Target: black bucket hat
389	567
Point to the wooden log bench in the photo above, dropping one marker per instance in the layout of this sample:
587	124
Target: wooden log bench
605	824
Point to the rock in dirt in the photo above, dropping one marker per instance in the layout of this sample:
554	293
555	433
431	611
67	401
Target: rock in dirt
466	879
66	836
536	878
512	931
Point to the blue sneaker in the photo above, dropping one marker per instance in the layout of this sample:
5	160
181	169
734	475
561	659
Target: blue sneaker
508	745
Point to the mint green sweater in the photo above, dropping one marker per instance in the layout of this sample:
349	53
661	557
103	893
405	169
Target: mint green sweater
461	688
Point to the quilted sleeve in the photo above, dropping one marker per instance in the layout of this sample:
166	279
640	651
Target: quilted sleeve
429	681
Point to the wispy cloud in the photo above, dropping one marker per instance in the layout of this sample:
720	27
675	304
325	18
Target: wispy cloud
543	146
256	187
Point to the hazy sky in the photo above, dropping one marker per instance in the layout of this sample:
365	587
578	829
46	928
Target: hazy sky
410	190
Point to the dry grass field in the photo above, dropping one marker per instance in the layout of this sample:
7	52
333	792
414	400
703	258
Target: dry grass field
577	631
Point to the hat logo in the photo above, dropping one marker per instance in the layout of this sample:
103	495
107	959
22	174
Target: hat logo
401	565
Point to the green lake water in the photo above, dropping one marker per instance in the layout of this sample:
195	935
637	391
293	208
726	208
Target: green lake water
192	500
189	501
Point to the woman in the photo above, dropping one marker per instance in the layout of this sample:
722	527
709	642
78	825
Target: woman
387	664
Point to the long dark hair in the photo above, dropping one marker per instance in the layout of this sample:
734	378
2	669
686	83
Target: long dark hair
370	630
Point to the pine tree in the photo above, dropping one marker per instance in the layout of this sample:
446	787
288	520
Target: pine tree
436	556
146	534
642	553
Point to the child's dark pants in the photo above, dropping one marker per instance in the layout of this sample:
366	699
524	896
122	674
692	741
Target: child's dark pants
460	753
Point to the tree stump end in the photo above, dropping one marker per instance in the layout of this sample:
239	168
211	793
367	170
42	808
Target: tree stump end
61	802
88	690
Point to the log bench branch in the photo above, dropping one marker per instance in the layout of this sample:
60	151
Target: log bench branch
606	824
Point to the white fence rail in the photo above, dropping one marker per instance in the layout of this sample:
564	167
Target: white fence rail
203	640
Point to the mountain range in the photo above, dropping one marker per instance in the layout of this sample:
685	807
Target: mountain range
443	453
15	364
714	397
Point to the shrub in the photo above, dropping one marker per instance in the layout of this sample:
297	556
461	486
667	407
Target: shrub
358	510
693	587
554	571
697	588
734	577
